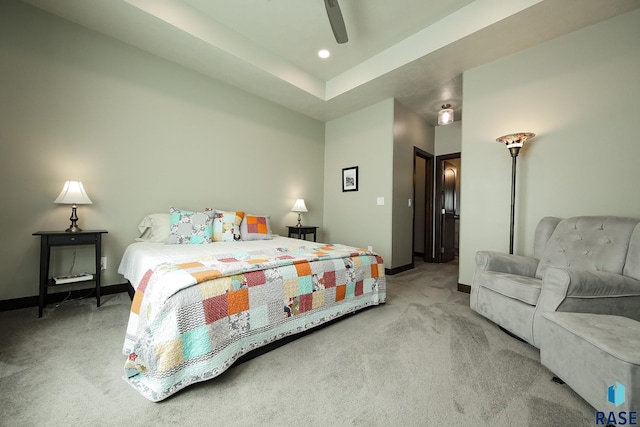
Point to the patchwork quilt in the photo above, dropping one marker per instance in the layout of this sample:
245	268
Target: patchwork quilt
190	321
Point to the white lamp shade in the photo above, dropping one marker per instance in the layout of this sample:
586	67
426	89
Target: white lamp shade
445	116
73	194
299	206
515	140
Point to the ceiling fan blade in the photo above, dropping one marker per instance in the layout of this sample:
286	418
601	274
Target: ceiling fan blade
336	21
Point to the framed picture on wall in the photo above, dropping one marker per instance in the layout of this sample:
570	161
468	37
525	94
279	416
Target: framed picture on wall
350	179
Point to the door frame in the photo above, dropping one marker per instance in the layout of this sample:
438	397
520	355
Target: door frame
437	206
428	200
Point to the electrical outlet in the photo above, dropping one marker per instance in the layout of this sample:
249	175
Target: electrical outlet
103	263
370	248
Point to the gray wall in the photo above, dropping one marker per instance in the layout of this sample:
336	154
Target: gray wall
141	133
379	140
364	139
581	94
409	131
448	138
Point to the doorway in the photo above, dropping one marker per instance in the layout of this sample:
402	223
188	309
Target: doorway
423	204
447	207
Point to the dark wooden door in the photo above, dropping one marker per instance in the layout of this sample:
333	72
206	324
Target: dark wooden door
423	204
448	214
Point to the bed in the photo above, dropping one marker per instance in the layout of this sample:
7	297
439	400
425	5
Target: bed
197	308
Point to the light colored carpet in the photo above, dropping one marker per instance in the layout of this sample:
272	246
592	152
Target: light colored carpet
422	359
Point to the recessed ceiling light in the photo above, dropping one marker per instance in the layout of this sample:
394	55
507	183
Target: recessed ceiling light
324	53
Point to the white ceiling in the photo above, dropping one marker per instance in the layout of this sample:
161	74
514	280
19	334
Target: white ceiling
412	50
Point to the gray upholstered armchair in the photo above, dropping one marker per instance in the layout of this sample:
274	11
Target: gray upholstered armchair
581	264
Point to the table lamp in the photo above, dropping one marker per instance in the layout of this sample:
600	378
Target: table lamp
299	206
73	194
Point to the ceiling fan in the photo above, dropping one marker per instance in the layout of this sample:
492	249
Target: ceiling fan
336	21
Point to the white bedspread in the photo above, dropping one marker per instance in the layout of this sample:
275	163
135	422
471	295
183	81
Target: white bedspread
139	257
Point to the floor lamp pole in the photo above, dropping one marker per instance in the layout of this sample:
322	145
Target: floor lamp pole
514	156
514	142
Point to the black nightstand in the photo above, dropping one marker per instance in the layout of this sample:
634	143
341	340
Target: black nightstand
302	231
49	239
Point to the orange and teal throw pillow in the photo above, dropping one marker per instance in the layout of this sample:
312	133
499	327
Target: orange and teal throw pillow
226	226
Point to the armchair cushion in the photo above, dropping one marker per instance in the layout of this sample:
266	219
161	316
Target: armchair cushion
591	351
522	288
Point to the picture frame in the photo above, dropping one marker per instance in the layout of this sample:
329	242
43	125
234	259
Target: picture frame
350	179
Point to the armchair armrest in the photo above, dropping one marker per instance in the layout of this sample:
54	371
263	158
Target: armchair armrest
567	288
586	291
506	263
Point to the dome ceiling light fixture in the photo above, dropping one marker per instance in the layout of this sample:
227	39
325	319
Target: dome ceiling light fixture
445	116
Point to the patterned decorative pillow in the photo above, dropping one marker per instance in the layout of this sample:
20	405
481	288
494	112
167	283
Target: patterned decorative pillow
188	227
256	227
226	226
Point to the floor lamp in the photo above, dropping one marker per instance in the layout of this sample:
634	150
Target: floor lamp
514	143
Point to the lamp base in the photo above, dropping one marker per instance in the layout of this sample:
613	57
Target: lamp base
299	218
73	228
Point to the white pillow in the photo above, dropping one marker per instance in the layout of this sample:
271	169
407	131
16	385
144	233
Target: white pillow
154	228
